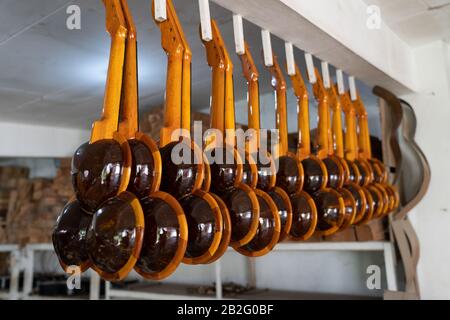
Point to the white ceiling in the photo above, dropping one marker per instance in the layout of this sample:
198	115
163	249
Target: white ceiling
418	22
54	76
51	75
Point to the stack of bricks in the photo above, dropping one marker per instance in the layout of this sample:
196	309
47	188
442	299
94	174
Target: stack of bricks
152	122
375	230
35	205
10	180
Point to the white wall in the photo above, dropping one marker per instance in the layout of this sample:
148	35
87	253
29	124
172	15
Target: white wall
431	218
39	167
32	141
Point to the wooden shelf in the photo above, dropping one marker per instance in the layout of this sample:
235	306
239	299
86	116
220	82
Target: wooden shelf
50	298
8	247
164	291
332	246
4	295
159	291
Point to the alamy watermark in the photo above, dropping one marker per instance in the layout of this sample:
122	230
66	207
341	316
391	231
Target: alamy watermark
74	279
374	19
374	280
253	147
73	21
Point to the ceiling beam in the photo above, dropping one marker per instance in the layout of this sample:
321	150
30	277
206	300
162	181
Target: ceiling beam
336	31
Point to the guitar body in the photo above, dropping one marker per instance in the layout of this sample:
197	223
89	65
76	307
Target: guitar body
412	177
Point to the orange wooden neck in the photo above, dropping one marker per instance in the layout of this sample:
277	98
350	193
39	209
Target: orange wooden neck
129	114
222	101
251	74
323	128
351	139
301	92
173	45
186	77
186	92
337	142
216	61
365	148
279	84
218	99
230	118
116	26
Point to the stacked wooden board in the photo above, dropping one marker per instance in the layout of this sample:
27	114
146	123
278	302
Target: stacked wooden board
10	178
33	206
151	122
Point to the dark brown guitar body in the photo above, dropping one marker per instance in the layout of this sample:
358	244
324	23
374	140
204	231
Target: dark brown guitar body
412	176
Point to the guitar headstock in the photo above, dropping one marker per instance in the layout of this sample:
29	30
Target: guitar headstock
171	39
106	127
347	104
115	21
298	84
278	79
131	26
359	107
248	65
335	103
318	88
214	52
221	44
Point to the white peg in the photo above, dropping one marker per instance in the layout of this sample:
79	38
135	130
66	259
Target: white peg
239	34
310	68
340	81
326	75
267	48
352	85
205	20
160	10
290	58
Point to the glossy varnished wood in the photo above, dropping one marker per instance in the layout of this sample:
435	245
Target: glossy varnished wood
227	176
354	198
273	207
101	168
357	176
185	180
114	239
315	171
290	175
390	194
179	179
330	203
100	171
69	237
146	160
226	231
165	237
